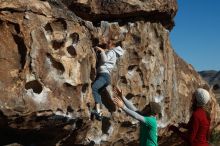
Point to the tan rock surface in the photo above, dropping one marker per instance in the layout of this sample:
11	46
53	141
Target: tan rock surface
160	11
213	79
46	83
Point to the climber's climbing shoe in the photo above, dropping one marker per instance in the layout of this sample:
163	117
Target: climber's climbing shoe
97	115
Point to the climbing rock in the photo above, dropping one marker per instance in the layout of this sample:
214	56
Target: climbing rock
213	78
123	11
48	65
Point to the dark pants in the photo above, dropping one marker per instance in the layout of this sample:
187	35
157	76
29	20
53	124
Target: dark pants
102	81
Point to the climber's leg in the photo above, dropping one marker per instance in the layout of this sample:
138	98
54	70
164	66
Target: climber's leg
102	80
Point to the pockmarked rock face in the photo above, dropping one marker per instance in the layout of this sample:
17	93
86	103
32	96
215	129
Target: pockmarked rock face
48	64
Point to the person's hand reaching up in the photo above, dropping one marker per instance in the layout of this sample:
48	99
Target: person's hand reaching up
118	101
117	92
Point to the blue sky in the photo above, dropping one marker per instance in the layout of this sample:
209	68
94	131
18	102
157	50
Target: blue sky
196	36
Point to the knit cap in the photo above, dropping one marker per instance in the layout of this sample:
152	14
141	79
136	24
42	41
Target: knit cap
202	96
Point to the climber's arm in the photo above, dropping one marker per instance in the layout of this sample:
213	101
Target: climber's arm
102	54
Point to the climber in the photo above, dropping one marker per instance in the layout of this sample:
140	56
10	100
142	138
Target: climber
106	63
147	117
198	126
